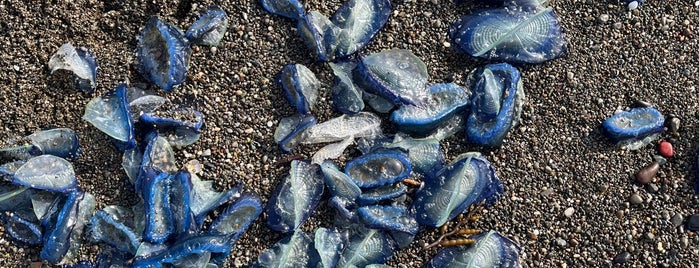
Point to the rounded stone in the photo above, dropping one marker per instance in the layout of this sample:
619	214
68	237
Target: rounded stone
673	124
693	223
645	175
635	199
569	212
677	220
622	257
665	149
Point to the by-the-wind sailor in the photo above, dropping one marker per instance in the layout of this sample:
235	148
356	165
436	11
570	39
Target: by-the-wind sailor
366	246
346	97
634	124
378	168
515	35
396	74
163	54
61	142
319	34
62	241
159	220
295	198
111	226
47	172
331	151
158	157
425	155
391	218
295	250
110	114
190	246
361	125
209	29
23	230
291	130
496	103
80	61
491	249
444	101
339	183
180	195
329	243
300	86
377	194
292	9
237	217
205	199
142	101
181	127
467	180
358	21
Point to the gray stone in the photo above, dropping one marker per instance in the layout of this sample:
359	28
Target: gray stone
622	257
677	220
635	199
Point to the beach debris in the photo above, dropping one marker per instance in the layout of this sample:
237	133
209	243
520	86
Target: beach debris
496	103
513	35
300	86
489	249
61	142
467	180
665	149
209	28
80	61
295	198
397	75
638	126
647	174
110	114
163	54
444	101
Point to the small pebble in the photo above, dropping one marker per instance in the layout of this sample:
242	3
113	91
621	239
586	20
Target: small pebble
676	220
642	104
569	212
622	257
665	149
635	199
561	242
650	236
660	159
652	188
603	18
633	5
645	175
674	124
693	223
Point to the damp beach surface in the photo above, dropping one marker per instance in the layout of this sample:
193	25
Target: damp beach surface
556	159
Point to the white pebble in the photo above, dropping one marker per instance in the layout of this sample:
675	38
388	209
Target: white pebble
633	5
569	212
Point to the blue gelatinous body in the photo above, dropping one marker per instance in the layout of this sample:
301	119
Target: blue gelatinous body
634	124
112	229
339	183
515	35
237	217
62	239
190	246
467	180
358	21
378	194
496	104
490	250
292	9
209	29
300	86
179	132
47	172
23	230
443	102
163	54
366	246
329	243
391	218
319	34
397	74
295	198
110	114
80	61
205	199
180	200
425	155
346	97
61	142
159	220
378	168
290	131
295	250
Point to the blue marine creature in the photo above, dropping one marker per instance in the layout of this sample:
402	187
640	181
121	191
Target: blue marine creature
63	236
80	61
114	226
381	167
25	231
47	172
163	54
443	102
295	198
300	86
292	9
397	75
291	130
490	249
61	142
636	124
209	29
496	104
512	35
347	98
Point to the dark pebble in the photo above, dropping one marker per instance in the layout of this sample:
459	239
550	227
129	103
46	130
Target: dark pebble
652	188
645	175
641	104
693	223
622	257
673	124
635	199
676	220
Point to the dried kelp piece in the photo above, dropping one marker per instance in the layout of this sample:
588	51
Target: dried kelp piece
295	198
292	9
396	74
181	127
329	243
163	54
444	101
331	151
346	97
467	180
366	246
391	218
114	226
291	130
186	248
209	29
358	21
300	86
361	125
496	104
425	155
238	216
515	35
378	168
387	192
47	172
491	249
110	114
62	241
205	199
319	34
80	61
339	183
634	124
159	220
295	250
24	231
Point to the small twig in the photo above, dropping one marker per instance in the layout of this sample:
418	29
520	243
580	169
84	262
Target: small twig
461	221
